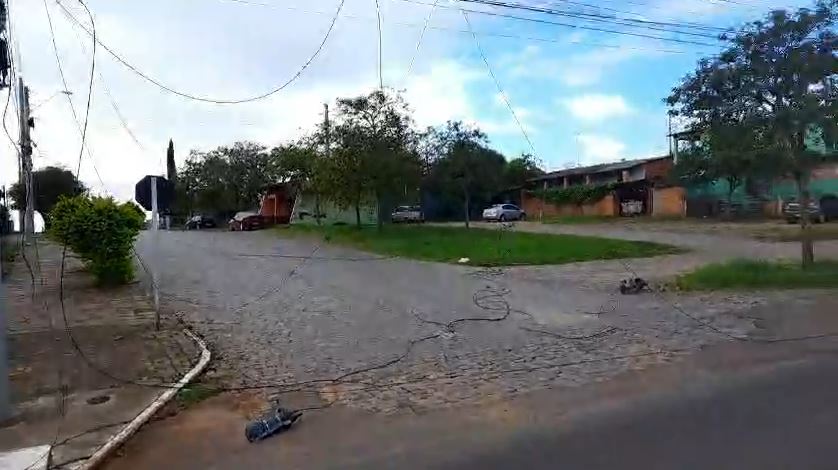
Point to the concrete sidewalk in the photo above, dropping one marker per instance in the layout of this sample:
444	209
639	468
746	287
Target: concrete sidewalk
61	396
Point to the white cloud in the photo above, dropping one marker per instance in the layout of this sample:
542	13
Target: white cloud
597	148
596	107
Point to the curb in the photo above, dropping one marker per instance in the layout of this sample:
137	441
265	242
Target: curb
118	439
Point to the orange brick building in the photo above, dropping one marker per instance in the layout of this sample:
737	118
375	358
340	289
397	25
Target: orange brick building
640	188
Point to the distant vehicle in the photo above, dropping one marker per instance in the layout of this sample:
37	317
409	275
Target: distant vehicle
407	214
504	212
199	221
823	211
244	221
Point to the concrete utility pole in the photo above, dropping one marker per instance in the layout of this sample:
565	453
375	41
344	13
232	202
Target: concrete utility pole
28	219
155	222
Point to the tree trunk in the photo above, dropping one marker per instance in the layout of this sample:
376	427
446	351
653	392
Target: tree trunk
317	208
466	206
807	248
729	209
380	217
358	214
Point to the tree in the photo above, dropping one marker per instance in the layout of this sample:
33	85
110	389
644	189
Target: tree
227	179
374	150
776	79
520	170
171	169
48	185
464	165
730	152
303	166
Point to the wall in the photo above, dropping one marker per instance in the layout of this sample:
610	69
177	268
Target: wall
533	206
824	180
303	212
669	202
275	207
657	170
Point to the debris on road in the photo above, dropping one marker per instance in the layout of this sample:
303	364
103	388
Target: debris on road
271	423
633	286
463	260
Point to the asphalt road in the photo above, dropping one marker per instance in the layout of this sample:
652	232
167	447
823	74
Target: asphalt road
762	413
783	420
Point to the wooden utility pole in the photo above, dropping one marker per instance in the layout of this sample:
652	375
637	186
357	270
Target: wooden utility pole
28	219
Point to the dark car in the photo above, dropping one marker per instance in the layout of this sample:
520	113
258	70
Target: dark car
244	221
819	211
199	222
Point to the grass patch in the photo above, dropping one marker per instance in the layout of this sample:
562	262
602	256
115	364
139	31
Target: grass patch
483	247
750	274
194	393
791	233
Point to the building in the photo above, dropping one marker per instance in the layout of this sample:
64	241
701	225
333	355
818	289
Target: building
277	203
757	197
635	187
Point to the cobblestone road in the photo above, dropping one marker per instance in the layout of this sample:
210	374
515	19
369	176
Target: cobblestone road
289	310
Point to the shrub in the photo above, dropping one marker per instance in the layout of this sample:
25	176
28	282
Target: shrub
101	231
579	194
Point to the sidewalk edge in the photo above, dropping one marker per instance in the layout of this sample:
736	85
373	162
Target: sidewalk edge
119	438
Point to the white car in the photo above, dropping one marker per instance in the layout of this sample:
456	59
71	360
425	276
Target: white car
504	212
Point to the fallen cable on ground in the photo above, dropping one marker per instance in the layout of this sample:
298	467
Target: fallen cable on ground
271	423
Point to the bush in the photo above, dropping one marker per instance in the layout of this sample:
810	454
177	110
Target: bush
579	194
101	231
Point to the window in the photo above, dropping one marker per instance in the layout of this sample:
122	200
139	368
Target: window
510	207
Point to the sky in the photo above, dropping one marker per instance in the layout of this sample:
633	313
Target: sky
581	96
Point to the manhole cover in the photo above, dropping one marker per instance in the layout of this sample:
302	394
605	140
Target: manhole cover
98	399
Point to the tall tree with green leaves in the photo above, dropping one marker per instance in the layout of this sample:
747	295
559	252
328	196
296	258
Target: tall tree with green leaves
777	78
374	150
171	169
520	170
228	178
49	184
464	166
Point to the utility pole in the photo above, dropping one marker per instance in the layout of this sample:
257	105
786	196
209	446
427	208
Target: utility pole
155	222
327	141
28	219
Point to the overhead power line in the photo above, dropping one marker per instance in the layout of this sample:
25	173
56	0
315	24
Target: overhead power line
573	25
347	16
82	130
608	19
500	88
419	41
643	18
206	99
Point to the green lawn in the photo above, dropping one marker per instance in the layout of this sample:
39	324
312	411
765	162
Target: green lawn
750	274
483	247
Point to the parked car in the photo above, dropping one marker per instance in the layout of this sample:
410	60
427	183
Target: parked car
199	221
504	212
244	221
407	214
817	214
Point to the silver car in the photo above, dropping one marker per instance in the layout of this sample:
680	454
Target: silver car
407	214
504	212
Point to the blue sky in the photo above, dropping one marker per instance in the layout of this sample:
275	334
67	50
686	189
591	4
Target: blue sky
581	95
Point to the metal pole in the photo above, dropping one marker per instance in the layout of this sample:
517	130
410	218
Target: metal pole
154	242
